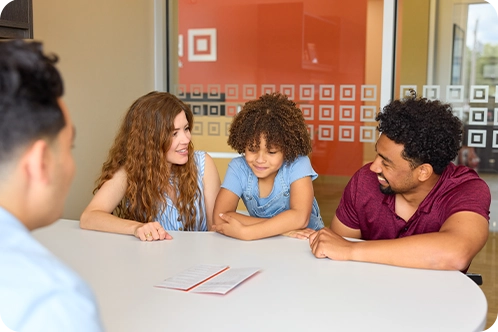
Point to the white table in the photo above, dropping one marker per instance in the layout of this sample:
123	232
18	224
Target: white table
294	291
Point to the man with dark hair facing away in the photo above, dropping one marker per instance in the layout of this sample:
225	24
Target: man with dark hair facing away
37	291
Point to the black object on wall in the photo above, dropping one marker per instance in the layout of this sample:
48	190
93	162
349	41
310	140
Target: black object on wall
16	20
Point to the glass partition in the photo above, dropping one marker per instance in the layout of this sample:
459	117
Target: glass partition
448	50
324	54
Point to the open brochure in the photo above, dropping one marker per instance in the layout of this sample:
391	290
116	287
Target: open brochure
219	279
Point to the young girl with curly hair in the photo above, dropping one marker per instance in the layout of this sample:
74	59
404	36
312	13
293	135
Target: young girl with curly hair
153	180
273	177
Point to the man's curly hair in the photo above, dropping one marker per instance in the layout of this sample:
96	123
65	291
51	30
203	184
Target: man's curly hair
280	122
428	130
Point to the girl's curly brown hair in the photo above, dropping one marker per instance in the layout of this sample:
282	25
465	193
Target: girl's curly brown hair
280	122
140	148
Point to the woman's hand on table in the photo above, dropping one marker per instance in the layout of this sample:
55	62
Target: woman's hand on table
151	231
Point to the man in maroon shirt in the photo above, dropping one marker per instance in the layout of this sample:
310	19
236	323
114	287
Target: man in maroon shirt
414	207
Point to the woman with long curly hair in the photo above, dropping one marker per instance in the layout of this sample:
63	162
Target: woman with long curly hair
153	180
273	177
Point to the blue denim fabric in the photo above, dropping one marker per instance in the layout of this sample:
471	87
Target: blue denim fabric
279	202
169	217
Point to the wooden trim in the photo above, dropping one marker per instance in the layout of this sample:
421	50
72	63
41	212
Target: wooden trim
13	24
11	33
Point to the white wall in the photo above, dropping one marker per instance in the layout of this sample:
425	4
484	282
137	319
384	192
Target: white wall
106	50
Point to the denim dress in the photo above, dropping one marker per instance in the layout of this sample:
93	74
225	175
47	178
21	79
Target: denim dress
241	180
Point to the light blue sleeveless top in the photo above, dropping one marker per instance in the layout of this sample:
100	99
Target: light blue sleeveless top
240	180
170	218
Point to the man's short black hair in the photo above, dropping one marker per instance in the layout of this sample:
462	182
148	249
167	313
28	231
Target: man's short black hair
30	86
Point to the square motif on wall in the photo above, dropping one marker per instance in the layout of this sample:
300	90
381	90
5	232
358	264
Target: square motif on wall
454	93
197	109
458	112
307	92
214	91
368	113
231	91
198	128
346	113
367	134
346	133
327	92
214	109
325	133
495	139
249	91
310	130
201	45
326	113
196	91
181	91
288	90
479	93
476	138
267	89
227	128
404	90
477	116
348	92
431	92
231	109
213	128
308	111
368	92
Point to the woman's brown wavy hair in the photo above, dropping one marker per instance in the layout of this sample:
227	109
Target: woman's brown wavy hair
140	147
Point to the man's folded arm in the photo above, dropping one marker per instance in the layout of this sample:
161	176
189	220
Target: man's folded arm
458	241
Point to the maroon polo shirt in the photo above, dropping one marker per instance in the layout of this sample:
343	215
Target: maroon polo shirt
364	207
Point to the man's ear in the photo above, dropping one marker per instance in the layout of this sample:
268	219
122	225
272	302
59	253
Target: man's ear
36	160
425	171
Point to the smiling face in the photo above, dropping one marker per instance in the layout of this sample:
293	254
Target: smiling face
395	174
178	151
263	161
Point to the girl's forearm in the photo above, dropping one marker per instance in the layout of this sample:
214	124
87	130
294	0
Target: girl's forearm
245	219
284	222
